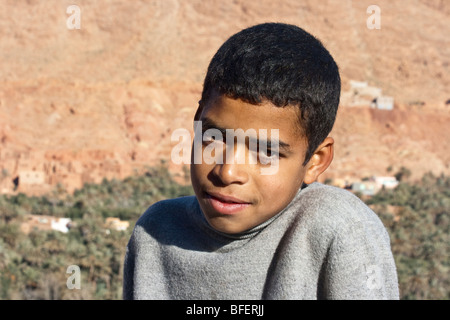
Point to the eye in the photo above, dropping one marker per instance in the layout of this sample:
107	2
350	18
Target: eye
267	156
211	135
209	138
267	153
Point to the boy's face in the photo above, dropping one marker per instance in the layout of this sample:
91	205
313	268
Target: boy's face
235	197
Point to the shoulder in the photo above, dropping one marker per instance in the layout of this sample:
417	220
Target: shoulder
355	243
337	210
335	202
329	199
167	213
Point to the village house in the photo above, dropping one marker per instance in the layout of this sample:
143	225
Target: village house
36	172
367	188
29	177
45	223
32	182
386	182
363	95
373	185
116	224
383	103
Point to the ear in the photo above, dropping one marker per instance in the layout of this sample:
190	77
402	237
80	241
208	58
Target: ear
320	160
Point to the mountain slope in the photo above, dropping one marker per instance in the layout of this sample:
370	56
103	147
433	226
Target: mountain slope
102	101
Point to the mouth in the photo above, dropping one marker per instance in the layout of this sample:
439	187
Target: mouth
226	204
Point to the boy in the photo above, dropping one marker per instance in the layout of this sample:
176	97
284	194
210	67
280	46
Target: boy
249	235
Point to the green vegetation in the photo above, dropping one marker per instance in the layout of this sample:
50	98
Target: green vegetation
34	266
417	216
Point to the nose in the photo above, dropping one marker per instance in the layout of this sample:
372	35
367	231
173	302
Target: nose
233	169
231	173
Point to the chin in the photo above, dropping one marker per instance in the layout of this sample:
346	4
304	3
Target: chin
228	227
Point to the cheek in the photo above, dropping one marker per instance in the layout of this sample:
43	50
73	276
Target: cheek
282	186
271	185
201	175
275	191
197	175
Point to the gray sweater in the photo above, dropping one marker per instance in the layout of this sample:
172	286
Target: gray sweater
326	244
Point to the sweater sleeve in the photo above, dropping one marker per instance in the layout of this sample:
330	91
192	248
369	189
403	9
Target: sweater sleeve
360	264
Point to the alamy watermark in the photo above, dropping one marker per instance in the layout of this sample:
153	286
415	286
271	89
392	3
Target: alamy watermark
374	279
74	20
74	281
227	147
374	20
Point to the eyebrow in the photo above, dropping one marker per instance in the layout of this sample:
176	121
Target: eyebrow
284	147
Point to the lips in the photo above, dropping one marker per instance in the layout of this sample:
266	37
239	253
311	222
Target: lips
226	199
226	204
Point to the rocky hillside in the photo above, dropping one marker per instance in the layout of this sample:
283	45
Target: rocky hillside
101	101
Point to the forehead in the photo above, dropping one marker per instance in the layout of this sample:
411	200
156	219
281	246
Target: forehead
237	114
